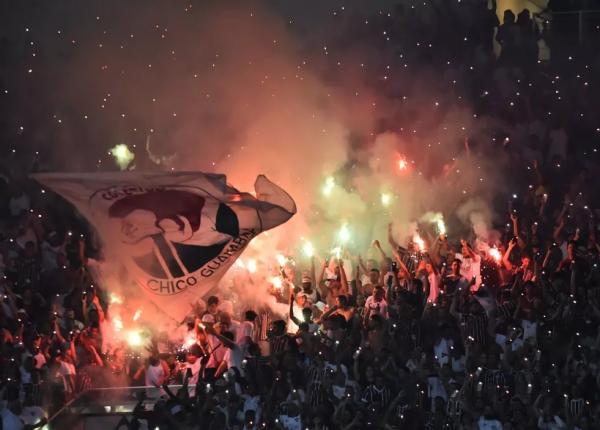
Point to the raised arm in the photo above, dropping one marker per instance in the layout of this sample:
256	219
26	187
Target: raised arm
467	249
291	310
401	264
224	340
319	281
362	266
515	224
343	278
391	239
313	271
506	257
382	254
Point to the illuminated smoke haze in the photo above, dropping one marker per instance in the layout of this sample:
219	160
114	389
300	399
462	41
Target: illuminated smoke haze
237	88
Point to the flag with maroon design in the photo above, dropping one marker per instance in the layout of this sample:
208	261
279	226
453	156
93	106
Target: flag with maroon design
176	233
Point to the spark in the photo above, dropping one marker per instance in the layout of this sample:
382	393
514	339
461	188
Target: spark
277	282
281	260
117	323
328	186
189	341
251	266
344	234
134	338
115	299
337	251
440	224
386	199
495	254
308	249
402	164
137	315
419	242
123	155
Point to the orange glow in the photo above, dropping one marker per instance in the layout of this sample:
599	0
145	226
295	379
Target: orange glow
419	242
495	254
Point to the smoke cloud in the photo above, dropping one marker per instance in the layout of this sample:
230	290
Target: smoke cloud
238	88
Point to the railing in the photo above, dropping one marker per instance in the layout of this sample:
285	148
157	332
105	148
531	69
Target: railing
583	17
105	405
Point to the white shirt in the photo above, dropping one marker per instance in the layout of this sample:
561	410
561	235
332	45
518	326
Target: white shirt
442	350
471	267
64	371
49	256
32	415
245	330
25	375
555	424
217	352
252	403
290	423
529	329
233	357
154	375
435	388
292	327
485	424
434	287
10	420
380	307
195	368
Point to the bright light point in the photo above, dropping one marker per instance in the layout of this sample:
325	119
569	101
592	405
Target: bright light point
117	323
419	242
308	249
189	342
386	199
277	283
251	266
281	259
337	251
402	164
123	156
441	226
134	338
495	254
115	299
329	186
137	315
344	233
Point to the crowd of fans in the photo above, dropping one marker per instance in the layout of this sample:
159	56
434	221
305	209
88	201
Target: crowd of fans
455	333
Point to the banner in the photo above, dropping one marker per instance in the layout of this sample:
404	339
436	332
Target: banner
176	233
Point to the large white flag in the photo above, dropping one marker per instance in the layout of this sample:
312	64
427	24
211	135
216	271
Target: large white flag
177	233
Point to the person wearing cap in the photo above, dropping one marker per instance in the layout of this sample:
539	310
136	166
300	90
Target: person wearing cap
215	351
307	288
300	311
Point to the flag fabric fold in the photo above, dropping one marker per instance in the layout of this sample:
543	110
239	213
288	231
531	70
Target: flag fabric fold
176	233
